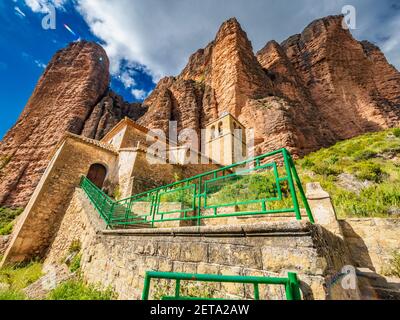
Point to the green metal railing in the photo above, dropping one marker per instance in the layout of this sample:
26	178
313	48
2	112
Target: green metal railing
291	284
259	186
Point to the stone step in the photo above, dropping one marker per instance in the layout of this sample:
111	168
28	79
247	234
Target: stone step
374	286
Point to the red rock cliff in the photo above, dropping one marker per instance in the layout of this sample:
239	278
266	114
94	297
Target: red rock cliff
308	92
312	90
71	95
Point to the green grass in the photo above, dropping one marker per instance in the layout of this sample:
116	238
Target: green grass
7	216
18	278
12	295
368	158
21	277
79	290
75	263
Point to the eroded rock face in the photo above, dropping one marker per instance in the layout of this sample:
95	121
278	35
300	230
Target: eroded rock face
310	91
351	83
314	89
108	112
72	95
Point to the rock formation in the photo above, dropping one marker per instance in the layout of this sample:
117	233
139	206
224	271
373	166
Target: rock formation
314	89
350	82
71	95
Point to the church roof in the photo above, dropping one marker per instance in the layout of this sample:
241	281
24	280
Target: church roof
124	122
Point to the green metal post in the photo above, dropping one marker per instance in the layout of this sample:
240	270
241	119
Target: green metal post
199	196
146	287
256	292
294	286
177	288
153	214
110	215
286	158
301	190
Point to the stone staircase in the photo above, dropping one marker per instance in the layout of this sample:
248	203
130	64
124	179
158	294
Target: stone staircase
134	222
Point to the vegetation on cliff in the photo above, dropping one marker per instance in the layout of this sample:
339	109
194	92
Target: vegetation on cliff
7	218
362	175
79	290
14	279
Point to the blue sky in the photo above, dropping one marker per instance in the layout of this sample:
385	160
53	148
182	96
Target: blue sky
146	40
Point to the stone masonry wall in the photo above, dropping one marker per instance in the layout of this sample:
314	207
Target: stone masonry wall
372	242
40	221
120	258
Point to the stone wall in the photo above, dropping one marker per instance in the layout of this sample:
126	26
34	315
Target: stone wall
120	258
372	242
40	221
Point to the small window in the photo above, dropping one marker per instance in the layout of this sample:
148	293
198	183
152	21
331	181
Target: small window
213	132
220	130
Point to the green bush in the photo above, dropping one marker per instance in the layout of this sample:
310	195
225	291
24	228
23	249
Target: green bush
11	295
7	216
307	164
78	290
369	171
324	169
396	132
20	277
75	263
365	155
75	246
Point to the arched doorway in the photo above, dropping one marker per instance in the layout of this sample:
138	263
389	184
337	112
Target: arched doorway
97	174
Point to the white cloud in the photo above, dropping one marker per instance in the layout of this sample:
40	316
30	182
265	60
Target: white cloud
161	35
40	64
19	12
139	94
42	6
127	78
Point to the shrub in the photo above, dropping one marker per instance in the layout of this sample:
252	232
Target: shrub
7	216
11	295
324	169
396	132
75	264
364	155
7	229
20	277
117	194
78	290
307	164
369	171
75	246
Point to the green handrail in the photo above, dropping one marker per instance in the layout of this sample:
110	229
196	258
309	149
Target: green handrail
291	283
193	195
